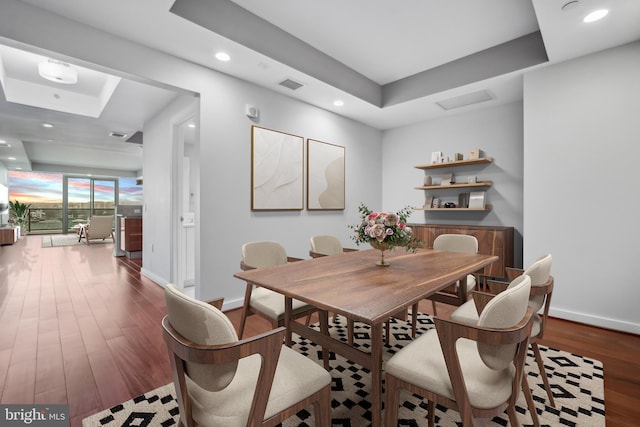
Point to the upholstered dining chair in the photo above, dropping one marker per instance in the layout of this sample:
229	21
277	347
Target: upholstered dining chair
454	294
99	227
540	298
474	369
324	245
261	301
221	381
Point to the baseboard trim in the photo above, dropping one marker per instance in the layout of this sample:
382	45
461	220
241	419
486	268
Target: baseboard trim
149	275
602	322
232	304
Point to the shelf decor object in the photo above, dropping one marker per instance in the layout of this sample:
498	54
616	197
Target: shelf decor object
384	231
325	176
276	170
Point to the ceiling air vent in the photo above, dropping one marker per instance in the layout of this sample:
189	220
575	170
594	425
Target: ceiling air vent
464	100
120	135
291	84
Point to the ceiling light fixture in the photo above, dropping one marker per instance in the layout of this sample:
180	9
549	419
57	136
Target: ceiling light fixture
11	158
47	125
192	125
221	56
338	103
595	15
57	71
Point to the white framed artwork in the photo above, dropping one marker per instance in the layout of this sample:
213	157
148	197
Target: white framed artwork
325	176
276	170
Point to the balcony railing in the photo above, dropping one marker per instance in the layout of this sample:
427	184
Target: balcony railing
49	220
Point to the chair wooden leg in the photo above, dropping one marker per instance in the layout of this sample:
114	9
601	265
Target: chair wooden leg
530	403
513	419
435	310
387	332
245	309
543	372
322	408
414	320
392	396
350	324
307	320
431	413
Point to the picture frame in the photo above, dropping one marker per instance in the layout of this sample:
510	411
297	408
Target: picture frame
325	176
276	170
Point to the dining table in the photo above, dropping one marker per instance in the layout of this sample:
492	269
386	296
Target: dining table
353	285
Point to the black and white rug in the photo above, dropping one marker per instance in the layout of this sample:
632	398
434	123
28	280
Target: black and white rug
577	384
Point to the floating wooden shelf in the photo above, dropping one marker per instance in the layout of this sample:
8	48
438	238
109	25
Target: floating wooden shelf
486	208
456	163
460	185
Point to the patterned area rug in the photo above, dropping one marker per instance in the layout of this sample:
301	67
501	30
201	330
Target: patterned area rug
58	240
577	384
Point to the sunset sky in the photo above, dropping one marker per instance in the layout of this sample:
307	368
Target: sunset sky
42	187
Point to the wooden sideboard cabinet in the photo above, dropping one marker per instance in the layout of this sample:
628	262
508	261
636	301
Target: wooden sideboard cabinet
132	234
7	236
491	241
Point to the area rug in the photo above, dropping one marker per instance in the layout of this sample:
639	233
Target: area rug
577	384
58	240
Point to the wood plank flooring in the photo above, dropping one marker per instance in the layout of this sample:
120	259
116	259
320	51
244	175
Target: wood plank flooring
82	327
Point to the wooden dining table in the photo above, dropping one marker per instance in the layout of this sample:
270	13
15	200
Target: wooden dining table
351	284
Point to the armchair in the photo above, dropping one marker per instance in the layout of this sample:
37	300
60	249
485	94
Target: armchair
474	369
539	298
221	381
261	301
99	227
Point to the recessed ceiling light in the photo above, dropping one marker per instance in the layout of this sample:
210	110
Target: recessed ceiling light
57	71
338	103
47	125
18	168
595	15
191	125
222	56
11	158
2	141
50	140
5	145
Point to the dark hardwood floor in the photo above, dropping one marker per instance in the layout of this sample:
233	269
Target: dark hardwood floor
82	327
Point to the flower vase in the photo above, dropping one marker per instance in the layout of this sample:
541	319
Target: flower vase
381	246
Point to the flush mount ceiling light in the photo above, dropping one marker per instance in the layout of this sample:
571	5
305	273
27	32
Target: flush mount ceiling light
47	125
338	103
595	15
57	71
221	56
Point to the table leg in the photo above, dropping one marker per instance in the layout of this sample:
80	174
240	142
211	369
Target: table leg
288	311
324	329
376	375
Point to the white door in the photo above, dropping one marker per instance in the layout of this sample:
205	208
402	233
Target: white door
185	205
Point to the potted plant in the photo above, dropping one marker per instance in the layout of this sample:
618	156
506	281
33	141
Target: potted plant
19	212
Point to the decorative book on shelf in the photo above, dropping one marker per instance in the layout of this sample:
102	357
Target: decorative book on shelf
477	199
463	200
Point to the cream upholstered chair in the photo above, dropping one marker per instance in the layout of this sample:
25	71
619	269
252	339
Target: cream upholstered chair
221	381
99	227
261	301
324	245
454	294
474	369
540	298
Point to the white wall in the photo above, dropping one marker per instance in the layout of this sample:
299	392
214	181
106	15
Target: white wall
157	212
225	219
497	131
582	146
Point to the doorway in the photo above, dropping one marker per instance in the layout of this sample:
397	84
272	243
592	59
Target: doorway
185	200
83	197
